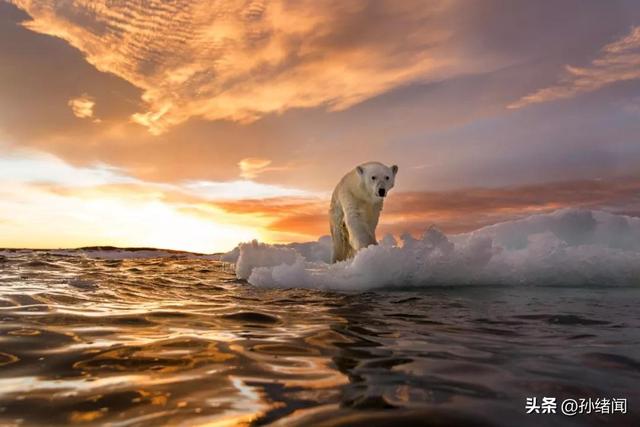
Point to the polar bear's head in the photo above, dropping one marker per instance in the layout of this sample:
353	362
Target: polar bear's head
377	179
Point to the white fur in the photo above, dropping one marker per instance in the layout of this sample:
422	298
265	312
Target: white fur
355	208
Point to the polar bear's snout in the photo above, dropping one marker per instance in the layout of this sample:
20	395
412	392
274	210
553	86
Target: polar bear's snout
382	192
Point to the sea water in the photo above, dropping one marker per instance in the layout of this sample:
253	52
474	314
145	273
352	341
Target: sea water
95	337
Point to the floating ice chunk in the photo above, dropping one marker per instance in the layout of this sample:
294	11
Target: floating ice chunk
254	254
566	247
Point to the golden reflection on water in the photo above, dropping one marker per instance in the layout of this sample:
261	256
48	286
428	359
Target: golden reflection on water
6	358
82	417
171	341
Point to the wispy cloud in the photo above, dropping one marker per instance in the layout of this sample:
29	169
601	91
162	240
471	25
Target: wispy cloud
252	166
243	189
24	166
618	61
240	61
28	166
82	107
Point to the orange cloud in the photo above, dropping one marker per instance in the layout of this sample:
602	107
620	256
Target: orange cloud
618	61
284	218
228	60
252	166
82	106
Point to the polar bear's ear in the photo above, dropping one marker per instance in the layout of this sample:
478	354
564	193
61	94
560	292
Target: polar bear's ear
360	170
394	169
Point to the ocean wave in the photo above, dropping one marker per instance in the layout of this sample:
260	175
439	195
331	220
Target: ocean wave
569	247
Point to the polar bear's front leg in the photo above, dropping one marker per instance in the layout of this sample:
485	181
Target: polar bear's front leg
360	236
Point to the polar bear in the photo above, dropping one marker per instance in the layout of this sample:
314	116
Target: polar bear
356	203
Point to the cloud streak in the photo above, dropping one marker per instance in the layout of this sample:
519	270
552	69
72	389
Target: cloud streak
618	61
29	166
252	167
236	61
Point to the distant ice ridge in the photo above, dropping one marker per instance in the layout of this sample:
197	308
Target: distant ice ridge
116	254
569	247
108	252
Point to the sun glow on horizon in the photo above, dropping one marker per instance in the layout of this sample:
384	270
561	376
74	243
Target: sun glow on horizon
47	203
74	221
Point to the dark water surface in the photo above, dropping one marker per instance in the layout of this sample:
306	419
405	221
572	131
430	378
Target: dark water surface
178	341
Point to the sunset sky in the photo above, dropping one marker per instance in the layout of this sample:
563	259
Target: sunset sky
198	124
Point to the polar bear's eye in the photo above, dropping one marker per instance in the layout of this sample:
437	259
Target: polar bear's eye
373	178
387	178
